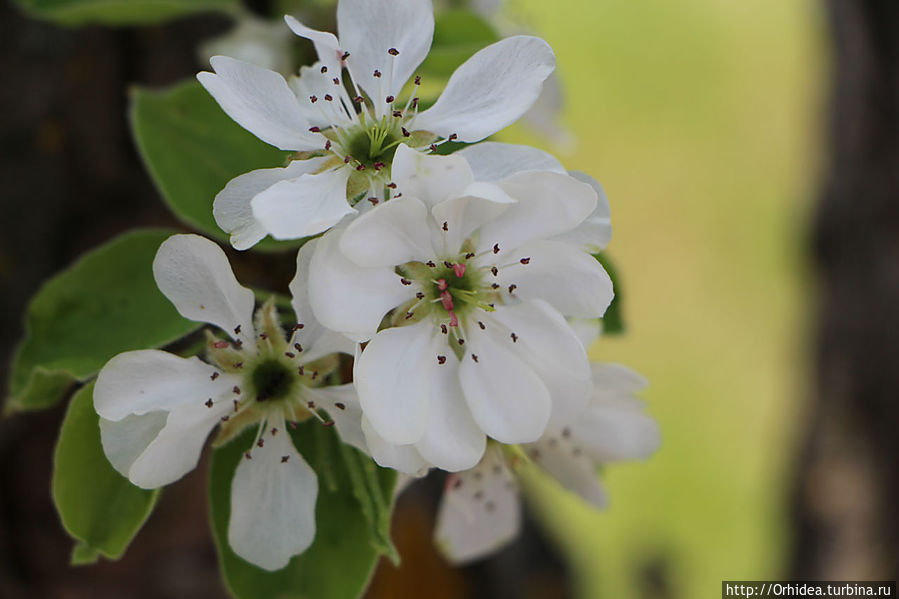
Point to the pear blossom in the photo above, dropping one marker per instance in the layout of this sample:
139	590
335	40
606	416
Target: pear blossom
480	510
461	292
347	128
157	409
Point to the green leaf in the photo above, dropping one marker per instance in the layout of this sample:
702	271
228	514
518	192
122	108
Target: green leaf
104	304
192	149
340	561
97	505
458	34
612	321
119	12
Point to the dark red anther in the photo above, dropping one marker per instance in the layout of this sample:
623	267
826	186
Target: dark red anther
512	288
335	81
314	374
393	52
414	103
358	99
482	325
346	160
238	365
328	423
494	285
469	255
418	80
324	69
443	329
397	113
313	99
214	376
301	371
284	458
408	315
315	129
361	167
293	425
260	442
441	359
525	260
514	338
290	354
298	326
433	147
494	270
340	406
374	201
391	185
461	341
379	165
475	358
420	295
445	228
452	137
377	73
209	403
274	431
247	455
431	264
237	330
298	347
345	56
405	281
329	97
390	99
327	145
495	248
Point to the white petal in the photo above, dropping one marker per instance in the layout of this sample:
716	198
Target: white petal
588	330
232	209
616	429
393	233
572	281
452	441
348	298
144	381
342	405
304	206
394	376
124	440
616	380
312	88
492	160
465	214
490	90
480	510
594	234
548	204
549	345
261	102
316	340
404	458
326	45
506	397
572	468
369	28
195	275
429	178
176	450
272	504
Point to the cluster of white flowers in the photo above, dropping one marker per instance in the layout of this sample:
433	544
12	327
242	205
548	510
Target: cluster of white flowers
460	285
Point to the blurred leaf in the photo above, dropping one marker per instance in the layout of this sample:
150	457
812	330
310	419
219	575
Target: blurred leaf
192	149
458	34
612	321
97	505
340	561
104	304
119	12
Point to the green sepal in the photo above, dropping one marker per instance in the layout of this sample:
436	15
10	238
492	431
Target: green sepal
612	320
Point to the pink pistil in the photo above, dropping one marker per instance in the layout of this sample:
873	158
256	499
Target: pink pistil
459	269
446	299
454	320
441	284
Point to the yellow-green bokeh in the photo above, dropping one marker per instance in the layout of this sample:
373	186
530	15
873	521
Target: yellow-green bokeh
703	120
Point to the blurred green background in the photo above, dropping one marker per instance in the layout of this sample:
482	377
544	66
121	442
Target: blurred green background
702	119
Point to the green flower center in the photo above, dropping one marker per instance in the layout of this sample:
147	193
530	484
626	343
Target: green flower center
272	379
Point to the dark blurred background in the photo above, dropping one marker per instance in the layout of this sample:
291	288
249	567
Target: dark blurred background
751	155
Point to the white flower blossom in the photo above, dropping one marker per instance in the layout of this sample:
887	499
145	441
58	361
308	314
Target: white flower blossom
157	409
476	290
480	510
348	130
